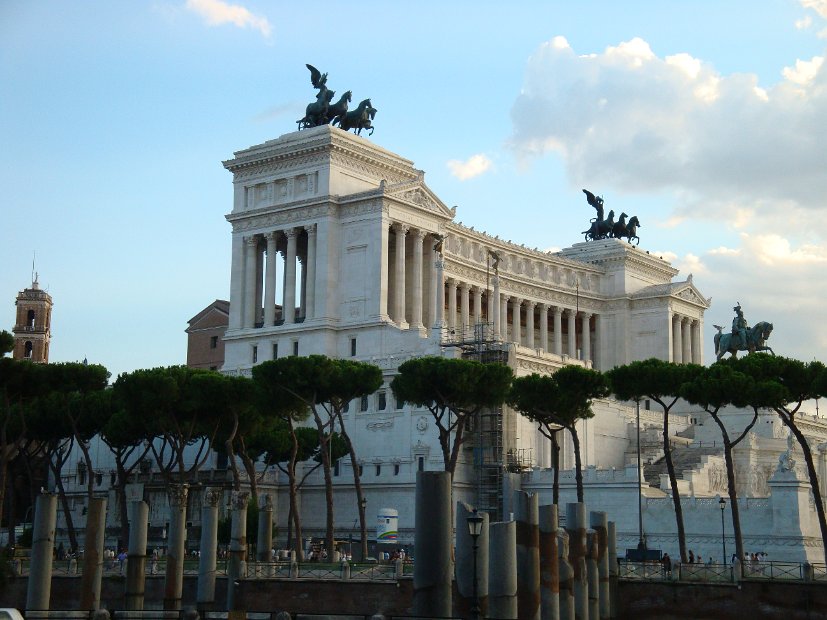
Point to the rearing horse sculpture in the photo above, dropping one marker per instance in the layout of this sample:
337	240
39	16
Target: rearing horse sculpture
756	337
358	119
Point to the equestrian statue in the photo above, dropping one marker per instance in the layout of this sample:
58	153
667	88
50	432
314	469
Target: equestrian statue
742	337
322	111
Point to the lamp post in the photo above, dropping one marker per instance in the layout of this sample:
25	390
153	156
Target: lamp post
641	545
722	505
363	534
475	529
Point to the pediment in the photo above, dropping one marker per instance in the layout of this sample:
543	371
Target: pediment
417	194
689	293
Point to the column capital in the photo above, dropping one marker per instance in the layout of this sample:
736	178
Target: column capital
177	494
465	286
530	303
291	232
400	227
251	240
310	229
273	235
420	234
211	497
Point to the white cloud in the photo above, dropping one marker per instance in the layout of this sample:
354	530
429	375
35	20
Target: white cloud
819	6
474	166
804	72
217	13
735	152
804	23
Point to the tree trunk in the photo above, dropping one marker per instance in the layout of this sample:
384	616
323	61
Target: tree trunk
458	432
324	450
64	502
578	470
294	516
250	468
555	463
357	483
673	483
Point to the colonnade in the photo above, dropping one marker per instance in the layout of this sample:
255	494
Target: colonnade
294	251
416	299
686	339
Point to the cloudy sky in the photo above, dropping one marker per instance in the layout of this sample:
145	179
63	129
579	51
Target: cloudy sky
706	119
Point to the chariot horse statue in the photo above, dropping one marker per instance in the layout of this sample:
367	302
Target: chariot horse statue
358	119
757	336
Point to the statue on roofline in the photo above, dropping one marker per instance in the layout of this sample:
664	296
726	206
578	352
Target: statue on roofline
323	111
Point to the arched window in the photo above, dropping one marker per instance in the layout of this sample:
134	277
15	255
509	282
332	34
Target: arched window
30	318
27	352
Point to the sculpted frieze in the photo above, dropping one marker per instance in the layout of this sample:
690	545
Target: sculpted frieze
283	217
362	208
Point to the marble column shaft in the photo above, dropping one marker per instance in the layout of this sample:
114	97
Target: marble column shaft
439	319
464	307
136	558
39	586
502	567
529	324
90	582
586	337
250	268
528	555
516	334
452	303
416	291
549	568
270	280
477	305
174	579
572	318
238	546
544	328
209	540
599	522
558	331
310	271
433	542
576	529
290	276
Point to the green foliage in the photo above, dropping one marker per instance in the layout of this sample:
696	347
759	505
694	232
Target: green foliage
652	378
458	385
560	399
6	342
796	381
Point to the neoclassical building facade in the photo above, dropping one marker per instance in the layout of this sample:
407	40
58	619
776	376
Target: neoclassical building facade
340	248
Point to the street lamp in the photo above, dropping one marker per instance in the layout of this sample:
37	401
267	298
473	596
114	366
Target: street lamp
641	545
475	529
722	505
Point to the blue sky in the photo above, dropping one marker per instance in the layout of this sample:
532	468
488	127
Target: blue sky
707	120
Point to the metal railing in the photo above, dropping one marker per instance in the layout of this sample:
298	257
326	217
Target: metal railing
726	573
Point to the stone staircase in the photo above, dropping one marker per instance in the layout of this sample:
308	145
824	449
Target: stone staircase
684	457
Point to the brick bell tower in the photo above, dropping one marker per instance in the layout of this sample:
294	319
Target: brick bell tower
33	326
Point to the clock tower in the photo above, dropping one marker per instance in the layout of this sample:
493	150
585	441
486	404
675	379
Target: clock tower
33	326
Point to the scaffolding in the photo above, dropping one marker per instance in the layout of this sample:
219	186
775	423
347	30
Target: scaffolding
485	432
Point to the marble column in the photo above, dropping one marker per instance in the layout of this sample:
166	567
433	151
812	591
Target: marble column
416	289
526	514
439	319
599	522
516	334
90	583
399	273
209	539
176	550
586	336
576	528
697	357
270	280
504	317
238	546
433	258
264	542
433	543
676	339
477	305
549	570
497	310
544	327
452	303
250	268
464	309
136	558
290	276
502	570
310	273
572	318
39	585
529	324
686	345
558	330
597	363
